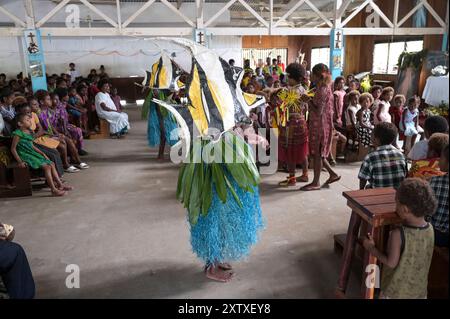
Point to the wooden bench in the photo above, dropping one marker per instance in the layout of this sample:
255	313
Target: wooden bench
104	131
19	183
373	211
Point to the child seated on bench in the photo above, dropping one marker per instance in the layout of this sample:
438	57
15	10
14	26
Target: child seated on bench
26	154
386	166
439	185
407	260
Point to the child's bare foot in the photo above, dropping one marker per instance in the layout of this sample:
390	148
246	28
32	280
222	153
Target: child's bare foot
218	274
66	187
58	192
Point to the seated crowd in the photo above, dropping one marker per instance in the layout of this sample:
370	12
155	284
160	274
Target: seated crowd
374	120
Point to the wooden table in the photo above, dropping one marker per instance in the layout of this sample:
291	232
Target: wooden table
373	211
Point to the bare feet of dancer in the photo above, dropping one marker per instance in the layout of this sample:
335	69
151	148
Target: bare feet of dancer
218	274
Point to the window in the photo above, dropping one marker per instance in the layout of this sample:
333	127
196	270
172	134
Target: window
385	55
258	57
320	55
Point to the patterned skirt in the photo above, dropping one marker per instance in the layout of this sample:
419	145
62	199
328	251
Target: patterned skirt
293	142
364	135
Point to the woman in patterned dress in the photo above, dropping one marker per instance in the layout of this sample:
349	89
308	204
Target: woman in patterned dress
320	125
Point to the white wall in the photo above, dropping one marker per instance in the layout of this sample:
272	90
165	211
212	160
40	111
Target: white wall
122	56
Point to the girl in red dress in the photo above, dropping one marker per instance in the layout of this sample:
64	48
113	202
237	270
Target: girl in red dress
293	139
321	126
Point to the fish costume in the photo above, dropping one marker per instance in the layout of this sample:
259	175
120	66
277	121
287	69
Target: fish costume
221	195
163	78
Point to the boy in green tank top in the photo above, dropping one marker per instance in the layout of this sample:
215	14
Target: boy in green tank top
410	246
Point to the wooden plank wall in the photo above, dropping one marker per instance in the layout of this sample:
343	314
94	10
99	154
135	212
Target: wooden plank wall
358	49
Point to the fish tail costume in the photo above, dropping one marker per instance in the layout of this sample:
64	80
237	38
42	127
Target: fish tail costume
221	196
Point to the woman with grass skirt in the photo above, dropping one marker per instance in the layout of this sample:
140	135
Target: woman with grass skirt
224	209
161	123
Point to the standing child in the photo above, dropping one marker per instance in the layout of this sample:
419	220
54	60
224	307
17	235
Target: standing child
364	127
350	117
321	126
339	95
439	185
410	123
396	111
382	109
410	247
293	140
26	154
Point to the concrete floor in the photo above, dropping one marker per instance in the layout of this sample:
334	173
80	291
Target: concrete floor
128	234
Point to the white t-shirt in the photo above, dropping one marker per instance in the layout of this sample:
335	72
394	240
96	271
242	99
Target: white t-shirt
419	150
73	75
350	114
104	98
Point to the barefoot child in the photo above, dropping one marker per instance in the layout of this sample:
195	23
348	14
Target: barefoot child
396	111
26	154
382	109
363	126
410	123
321	126
410	247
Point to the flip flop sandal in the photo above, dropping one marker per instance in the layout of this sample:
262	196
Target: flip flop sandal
290	181
83	166
331	181
225	266
309	188
71	169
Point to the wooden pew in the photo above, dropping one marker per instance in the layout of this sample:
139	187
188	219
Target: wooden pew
104	131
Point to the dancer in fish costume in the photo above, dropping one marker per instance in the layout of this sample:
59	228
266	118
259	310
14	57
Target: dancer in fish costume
220	194
161	82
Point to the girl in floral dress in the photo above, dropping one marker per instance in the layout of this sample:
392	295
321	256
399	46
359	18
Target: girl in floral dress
321	126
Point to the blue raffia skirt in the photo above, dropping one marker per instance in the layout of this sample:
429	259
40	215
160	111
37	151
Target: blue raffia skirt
153	131
228	231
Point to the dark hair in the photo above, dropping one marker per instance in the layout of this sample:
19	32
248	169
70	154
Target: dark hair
411	100
437	143
101	83
417	195
322	72
71	63
339	78
3	74
61	92
80	87
274	60
386	90
386	132
19	118
19	103
436	124
296	71
231	61
60	80
375	88
5	92
41	94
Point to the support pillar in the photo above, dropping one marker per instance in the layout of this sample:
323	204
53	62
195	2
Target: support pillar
336	44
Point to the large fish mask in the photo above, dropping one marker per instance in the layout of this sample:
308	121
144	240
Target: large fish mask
214	97
164	74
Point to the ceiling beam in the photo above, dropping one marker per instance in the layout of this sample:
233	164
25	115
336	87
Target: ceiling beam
12	17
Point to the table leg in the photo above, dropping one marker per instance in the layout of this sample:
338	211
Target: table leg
371	270
349	247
